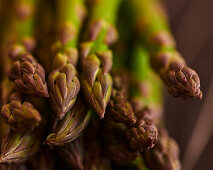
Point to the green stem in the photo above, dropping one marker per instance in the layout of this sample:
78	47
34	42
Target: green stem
96	82
71	12
152	29
106	9
25	15
143	73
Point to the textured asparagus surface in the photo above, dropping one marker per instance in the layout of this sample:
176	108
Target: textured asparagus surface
96	57
153	30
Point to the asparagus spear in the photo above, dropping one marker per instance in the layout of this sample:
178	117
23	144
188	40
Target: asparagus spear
94	150
17	148
22	166
119	108
164	156
116	145
137	164
73	153
71	126
141	133
165	153
28	75
44	159
153	30
21	116
63	82
146	93
96	58
7	87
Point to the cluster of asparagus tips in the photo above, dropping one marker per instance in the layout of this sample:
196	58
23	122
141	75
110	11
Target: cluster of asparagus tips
22	140
132	132
125	129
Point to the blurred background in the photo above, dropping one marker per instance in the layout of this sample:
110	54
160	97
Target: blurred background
190	122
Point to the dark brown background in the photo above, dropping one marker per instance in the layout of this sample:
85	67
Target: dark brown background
192	25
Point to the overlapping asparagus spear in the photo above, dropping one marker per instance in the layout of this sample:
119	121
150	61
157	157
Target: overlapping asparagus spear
94	157
147	101
165	154
96	57
17	148
152	27
21	116
27	74
73	153
63	82
44	159
116	145
71	126
146	91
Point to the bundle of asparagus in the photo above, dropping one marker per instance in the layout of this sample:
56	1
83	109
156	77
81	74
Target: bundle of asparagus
43	122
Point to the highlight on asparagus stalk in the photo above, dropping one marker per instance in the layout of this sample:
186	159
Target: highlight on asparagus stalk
73	153
71	126
20	115
63	82
28	75
164	156
96	57
153	30
17	148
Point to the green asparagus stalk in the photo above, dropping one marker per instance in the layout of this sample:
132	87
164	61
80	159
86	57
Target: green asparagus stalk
28	75
20	115
63	82
146	93
17	148
71	126
73	153
165	153
153	30
96	57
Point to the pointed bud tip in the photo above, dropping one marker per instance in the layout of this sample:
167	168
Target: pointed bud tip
60	115
101	113
199	95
